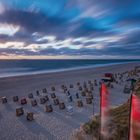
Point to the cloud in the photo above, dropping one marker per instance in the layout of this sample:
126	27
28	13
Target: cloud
70	27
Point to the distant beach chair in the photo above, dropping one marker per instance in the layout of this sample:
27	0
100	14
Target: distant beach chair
23	101
56	101
15	98
44	90
53	88
78	83
53	95
42	100
46	97
37	93
70	99
91	96
30	116
89	100
48	108
95	83
61	105
80	88
91	88
77	95
79	103
30	95
19	111
33	103
71	86
83	93
4	100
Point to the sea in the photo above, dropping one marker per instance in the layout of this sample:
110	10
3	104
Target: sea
27	67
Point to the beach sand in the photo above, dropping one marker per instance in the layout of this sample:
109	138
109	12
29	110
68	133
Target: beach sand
57	125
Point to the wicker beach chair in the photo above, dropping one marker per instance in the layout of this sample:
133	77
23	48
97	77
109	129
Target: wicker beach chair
71	86
30	95
53	88
61	105
46	97
80	88
83	93
37	93
30	116
78	83
4	100
15	99
89	100
79	103
33	103
53	95
48	108
42	100
44	90
56	101
23	101
19	111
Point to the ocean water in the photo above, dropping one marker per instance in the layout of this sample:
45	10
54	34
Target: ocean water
25	67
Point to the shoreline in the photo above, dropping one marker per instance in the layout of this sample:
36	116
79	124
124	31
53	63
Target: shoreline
46	72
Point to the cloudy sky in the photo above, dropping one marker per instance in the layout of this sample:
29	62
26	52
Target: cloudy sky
69	29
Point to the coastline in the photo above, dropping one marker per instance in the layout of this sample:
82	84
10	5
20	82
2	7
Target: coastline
45	72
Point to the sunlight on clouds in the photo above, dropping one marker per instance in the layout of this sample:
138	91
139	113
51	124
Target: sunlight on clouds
47	38
16	45
8	29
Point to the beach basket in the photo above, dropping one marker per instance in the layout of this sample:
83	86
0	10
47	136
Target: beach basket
71	86
49	108
78	83
95	83
91	88
37	93
77	95
4	100
53	88
53	95
70	99
30	95
23	101
19	111
15	98
30	116
91	96
62	86
79	103
89	100
33	102
80	88
83	93
46	97
56	101
42	100
44	90
61	105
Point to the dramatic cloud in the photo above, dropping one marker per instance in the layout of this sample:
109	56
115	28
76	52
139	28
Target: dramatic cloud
70	27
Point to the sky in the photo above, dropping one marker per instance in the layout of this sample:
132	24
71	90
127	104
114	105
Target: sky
69	29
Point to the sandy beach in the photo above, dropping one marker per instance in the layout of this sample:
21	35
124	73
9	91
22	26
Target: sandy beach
58	125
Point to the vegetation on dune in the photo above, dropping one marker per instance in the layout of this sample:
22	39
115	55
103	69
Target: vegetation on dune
118	126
